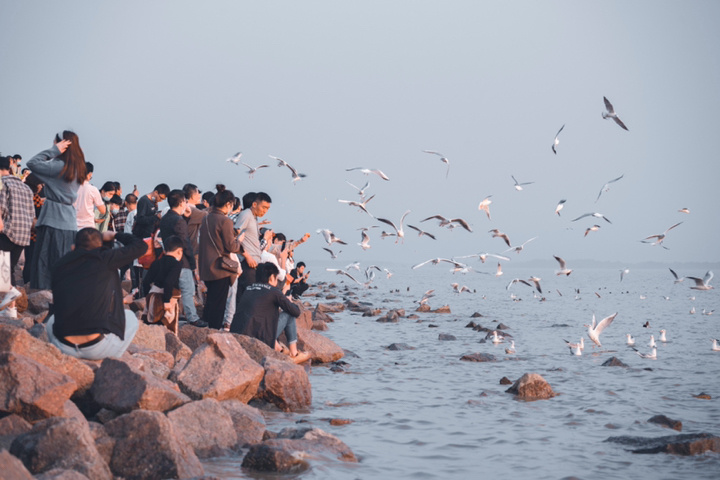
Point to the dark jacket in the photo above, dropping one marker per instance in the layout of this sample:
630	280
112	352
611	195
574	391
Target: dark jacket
174	224
145	217
257	313
216	230
163	273
87	295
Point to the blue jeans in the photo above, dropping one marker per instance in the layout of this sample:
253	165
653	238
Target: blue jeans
287	323
230	304
109	347
187	292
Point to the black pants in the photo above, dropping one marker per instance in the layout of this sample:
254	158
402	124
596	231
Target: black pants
299	288
217	292
15	251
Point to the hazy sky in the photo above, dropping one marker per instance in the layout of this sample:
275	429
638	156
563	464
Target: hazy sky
166	91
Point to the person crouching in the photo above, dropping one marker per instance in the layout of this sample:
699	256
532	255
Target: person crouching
161	286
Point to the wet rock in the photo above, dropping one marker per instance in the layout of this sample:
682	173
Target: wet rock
147	447
122	385
399	346
703	396
613	362
399	311
412	316
39	301
176	348
321	348
206	426
61	443
319	325
446	337
330	296
423	308
389	317
666	422
480	328
531	386
10	427
307	442
222	370
336	422
248	422
372	312
31	389
686	444
471	325
266	458
445	309
193	337
285	385
501	326
20	342
505	381
478	357
334	307
12	467
151	337
476	315
321	317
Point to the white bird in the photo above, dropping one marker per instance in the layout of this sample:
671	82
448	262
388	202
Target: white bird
715	346
368	171
364	239
560	206
497	338
361	191
485	205
662	338
577	351
458	289
388	273
434	261
594	331
442	158
684	210
483	256
652	343
330	237
659	237
252	170
333	255
499	271
422	232
611	113
235	158
677	279
556	142
563	269
339	271
580	345
355	265
692	311
606	187
361	205
650	356
708	312
445	222
595	214
703	283
497	233
630	340
518	186
594	228
519	248
426	296
511	349
399	231
282	163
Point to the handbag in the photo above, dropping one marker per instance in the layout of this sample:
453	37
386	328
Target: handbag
223	262
5	272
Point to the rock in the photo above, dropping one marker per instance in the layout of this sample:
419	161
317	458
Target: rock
61	474
531	386
686	444
38	331
505	381
285	385
31	389
147	447
423	308
103	442
12	467
222	370
399	346
321	316
319	325
61	443
476	315
153	365
446	337
372	312
445	309
305	319
10	427
206	426
501	326
337	422
257	349
39	301
248	422
151	337
312	441
70	410
193	337
265	458
472	324
321	348
412	316
478	357
703	396
137	305
20	342
176	348
122	385
399	311
389	317
333	307
480	328
666	422
613	362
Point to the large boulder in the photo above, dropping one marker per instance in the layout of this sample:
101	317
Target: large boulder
31	389
267	458
305	319
39	301
192	336
320	348
20	342
12	467
63	443
286	385
666	422
206	426
61	474
10	427
176	348
248	422
147	447
531	386
258	349
332	307
478	357
150	336
122	385
685	444
222	370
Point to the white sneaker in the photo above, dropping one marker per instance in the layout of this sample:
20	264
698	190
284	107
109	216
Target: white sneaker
10	296
10	312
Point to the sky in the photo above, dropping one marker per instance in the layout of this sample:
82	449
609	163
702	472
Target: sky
166	91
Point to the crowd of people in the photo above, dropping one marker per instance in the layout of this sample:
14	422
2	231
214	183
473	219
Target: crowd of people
209	250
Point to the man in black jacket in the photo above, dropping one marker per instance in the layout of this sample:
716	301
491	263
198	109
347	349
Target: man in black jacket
89	319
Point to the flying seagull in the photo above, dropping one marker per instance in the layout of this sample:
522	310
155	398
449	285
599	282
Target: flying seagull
596	215
368	171
235	158
442	159
560	206
361	205
361	191
339	271
519	248
594	331
485	205
611	113
677	279
333	255
563	269
556	142
399	231
447	222
518	185
606	187
364	239
252	170
421	232
330	237
282	163
594	228
497	233
703	283
659	237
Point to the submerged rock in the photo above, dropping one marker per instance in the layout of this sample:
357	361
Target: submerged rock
613	362
478	357
446	337
687	444
666	422
399	346
531	386
443	309
267	458
505	381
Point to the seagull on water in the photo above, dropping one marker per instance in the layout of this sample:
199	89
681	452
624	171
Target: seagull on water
652	343
650	356
497	338
563	269
594	331
235	158
485	205
556	142
282	163
576	350
399	231
442	159
330	237
595	214
252	170
662	338
659	237
560	206
703	283
368	171
580	345
630	340
518	186
611	113
422	232
445	222
511	349
715	346
606	187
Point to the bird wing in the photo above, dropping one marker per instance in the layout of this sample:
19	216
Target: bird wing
436	217
402	219
582	216
388	222
561	129
434	260
608	106
708	276
380	174
462	223
619	122
560	261
604	323
673	227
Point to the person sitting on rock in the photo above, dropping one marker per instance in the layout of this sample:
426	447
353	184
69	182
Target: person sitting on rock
258	315
161	285
88	319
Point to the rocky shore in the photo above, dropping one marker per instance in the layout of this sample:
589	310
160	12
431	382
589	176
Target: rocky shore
169	402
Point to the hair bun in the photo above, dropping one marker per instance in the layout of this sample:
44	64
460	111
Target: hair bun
220	187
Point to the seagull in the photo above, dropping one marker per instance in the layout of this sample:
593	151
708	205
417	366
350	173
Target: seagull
497	233
623	273
485	205
339	271
659	237
692	310
611	113
333	255
511	349
421	232
483	256
499	271
677	279
497	338
662	338
519	248
458	289
596	215
684	210
361	205
556	142
709	312
649	356
703	283
594	331
434	261
368	171
536	282
606	187
518	186
630	340
364	239
330	237
388	273
517	280
652	343
560	206
426	296
715	346
252	170
355	265
282	163
442	158
577	351
563	269
447	222
399	231
580	345
235	158
594	228
361	191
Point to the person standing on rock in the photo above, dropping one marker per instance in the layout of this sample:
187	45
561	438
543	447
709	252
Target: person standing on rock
89	319
248	222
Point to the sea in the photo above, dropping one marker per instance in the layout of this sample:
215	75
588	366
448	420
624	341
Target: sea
422	413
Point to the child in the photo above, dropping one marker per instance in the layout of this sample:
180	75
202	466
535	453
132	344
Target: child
161	286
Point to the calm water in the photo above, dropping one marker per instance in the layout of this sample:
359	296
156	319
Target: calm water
424	414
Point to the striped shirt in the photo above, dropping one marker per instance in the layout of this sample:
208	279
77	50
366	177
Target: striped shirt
17	210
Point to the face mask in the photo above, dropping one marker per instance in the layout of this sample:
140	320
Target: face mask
115	211
107	199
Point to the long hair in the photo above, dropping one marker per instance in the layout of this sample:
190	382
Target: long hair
74	158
